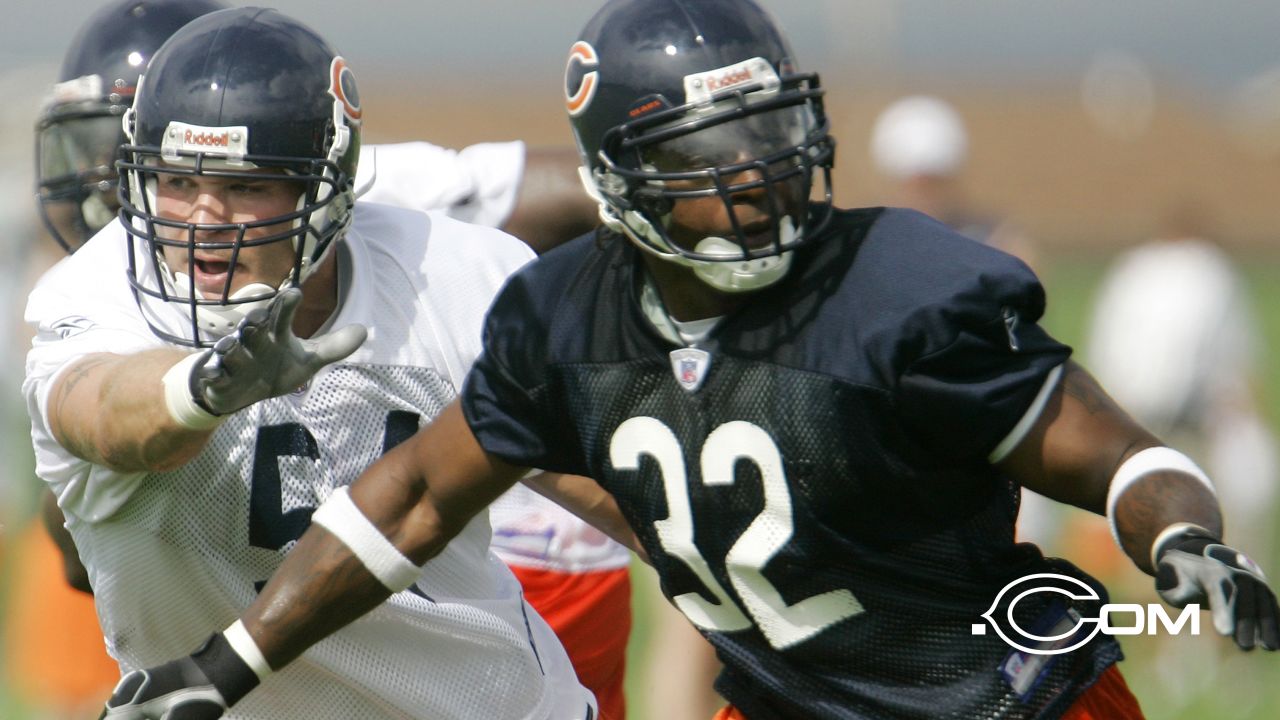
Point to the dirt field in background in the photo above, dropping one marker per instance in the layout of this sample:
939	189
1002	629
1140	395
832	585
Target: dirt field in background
1034	157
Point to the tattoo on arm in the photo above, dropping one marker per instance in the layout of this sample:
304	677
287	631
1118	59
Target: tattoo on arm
1078	384
75	376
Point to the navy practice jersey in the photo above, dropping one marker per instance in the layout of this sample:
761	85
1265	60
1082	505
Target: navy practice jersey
822	506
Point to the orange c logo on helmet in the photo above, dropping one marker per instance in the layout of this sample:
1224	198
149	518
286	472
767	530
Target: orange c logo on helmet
584	55
342	86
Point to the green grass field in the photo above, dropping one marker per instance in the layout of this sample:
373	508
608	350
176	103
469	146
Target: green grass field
1175	678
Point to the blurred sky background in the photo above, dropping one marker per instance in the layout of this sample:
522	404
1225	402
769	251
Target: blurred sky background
1069	102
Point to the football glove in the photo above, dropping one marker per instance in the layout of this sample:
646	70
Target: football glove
1193	567
264	359
200	686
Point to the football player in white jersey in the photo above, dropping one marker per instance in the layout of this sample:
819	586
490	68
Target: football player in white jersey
572	574
191	419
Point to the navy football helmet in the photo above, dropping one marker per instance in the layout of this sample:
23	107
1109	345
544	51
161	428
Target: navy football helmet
705	92
233	92
78	133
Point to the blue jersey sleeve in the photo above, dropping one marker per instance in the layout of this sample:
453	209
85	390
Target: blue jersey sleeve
951	326
508	397
984	362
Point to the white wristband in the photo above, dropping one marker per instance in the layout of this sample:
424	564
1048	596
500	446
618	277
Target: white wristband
240	641
340	516
1143	463
1178	528
177	397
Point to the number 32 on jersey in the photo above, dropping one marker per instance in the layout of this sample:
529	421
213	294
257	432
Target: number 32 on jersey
782	624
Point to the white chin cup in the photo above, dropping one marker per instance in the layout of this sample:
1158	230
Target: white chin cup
220	320
742	275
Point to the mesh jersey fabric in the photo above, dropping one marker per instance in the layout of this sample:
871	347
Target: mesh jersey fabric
175	556
821	506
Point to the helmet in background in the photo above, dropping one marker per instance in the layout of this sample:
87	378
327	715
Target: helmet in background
79	133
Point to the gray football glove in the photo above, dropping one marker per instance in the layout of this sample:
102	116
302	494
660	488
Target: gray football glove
1194	568
200	686
264	359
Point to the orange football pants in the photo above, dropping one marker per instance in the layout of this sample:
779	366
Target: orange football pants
591	614
53	654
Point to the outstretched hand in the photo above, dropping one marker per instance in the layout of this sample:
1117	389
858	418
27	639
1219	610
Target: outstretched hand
1194	568
177	690
264	359
200	686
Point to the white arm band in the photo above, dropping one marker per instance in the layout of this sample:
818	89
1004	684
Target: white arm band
240	641
1178	528
177	397
1143	463
1028	419
340	516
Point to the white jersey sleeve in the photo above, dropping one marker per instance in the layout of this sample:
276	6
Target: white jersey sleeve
478	184
183	552
81	306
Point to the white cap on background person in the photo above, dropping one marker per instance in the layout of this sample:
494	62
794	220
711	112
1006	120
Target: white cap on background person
919	135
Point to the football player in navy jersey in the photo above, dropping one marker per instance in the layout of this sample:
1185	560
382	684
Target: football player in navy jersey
816	421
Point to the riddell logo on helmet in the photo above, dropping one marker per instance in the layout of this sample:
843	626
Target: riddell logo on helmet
700	87
729	80
206	139
229	141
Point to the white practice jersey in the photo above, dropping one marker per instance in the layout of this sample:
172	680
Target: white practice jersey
1172	333
480	184
176	556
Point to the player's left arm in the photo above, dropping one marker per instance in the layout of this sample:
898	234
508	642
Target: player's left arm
55	524
1084	450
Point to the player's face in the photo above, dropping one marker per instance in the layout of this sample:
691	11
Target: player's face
695	218
211	200
760	179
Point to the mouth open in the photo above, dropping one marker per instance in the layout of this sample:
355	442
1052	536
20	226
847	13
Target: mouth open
211	275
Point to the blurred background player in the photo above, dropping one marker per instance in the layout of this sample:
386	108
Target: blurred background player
920	144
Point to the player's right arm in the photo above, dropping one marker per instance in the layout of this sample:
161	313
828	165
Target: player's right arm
364	544
110	410
154	410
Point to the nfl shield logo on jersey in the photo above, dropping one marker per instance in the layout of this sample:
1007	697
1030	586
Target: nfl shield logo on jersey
690	367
